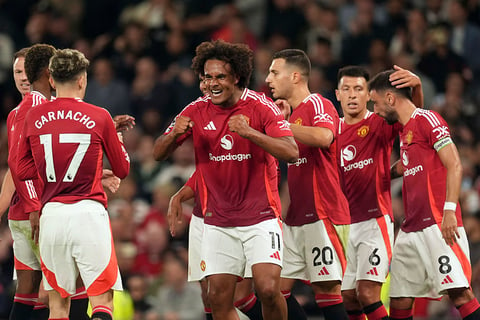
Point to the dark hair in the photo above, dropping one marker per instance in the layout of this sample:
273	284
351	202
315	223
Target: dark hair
381	82
67	64
353	71
20	53
238	56
37	59
297	58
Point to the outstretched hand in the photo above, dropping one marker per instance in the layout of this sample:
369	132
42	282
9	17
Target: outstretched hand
403	78
124	122
110	181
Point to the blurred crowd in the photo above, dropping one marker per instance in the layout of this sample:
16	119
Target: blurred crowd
140	53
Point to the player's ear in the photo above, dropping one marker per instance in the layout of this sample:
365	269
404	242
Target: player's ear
52	83
82	81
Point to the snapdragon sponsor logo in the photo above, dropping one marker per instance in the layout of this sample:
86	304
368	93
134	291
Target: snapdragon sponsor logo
348	154
358	165
413	171
299	162
226	142
230	157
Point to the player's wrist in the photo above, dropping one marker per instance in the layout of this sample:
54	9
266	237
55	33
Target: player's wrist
449	206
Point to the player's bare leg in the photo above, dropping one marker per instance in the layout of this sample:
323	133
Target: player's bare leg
59	307
328	297
365	299
266	278
465	302
221	288
28	283
294	309
353	306
401	308
246	301
206	304
102	306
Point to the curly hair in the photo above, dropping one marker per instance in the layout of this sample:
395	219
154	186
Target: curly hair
37	59
67	64
238	56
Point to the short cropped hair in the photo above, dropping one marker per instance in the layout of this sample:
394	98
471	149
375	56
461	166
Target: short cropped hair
381	83
67	64
297	58
353	71
238	56
20	53
37	59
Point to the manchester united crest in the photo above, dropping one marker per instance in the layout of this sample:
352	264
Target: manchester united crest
298	121
363	131
203	265
409	136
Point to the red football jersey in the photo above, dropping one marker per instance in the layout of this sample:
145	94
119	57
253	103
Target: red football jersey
313	180
424	176
192	183
364	151
64	139
26	196
236	179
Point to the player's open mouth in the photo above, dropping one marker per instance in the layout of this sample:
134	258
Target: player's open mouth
216	92
353	104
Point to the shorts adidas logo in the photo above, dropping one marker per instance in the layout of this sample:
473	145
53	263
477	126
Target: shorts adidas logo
373	271
323	272
276	255
447	279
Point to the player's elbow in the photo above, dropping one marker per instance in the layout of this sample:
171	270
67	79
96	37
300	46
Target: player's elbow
122	171
292	153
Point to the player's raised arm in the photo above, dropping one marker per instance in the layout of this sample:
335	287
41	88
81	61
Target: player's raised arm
403	78
167	143
312	136
283	148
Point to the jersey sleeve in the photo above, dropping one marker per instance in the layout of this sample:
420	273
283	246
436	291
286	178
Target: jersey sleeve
26	169
325	115
275	123
188	111
437	131
115	150
192	182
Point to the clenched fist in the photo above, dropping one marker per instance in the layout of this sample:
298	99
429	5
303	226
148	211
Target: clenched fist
238	123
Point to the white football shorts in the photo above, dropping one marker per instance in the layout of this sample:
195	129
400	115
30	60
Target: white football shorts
369	251
423	265
314	251
77	239
233	250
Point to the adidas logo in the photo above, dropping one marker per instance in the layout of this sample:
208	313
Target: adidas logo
210	126
447	279
373	271
276	255
323	272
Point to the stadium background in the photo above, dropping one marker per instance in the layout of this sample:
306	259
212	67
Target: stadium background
140	53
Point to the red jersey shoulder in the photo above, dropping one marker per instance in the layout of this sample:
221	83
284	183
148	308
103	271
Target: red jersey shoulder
324	111
260	99
431	123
